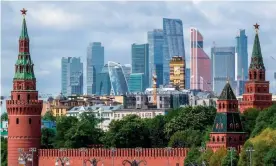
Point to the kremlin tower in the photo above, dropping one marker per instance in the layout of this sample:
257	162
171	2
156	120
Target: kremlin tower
227	130
256	88
24	108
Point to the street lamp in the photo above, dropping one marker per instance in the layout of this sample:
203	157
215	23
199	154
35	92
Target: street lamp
250	150
134	162
24	157
169	149
93	162
113	150
231	149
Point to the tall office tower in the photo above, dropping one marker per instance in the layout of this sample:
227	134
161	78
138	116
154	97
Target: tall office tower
200	63
241	56
71	76
177	72
223	67
173	44
127	70
118	80
187	78
136	82
95	63
156	41
103	85
140	60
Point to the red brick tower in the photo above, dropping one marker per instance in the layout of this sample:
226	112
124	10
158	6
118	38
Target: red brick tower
227	129
256	88
24	108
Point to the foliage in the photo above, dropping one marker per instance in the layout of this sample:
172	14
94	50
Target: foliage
4	116
192	156
226	161
206	156
196	118
47	138
218	156
130	132
186	138
270	157
49	116
4	151
248	119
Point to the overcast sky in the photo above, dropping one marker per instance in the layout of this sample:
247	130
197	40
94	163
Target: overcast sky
58	29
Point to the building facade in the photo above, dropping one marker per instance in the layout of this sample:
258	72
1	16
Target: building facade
127	70
140	60
71	76
256	88
156	42
95	63
103	85
173	44
177	72
187	78
118	81
241	56
24	108
136	82
223	67
200	63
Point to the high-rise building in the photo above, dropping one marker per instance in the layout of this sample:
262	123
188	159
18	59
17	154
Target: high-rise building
173	44
118	80
71	76
200	63
103	85
95	63
223	67
177	72
156	41
127	70
187	78
256	88
241	56
136	82
140	60
24	108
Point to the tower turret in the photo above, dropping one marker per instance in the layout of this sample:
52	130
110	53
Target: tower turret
24	108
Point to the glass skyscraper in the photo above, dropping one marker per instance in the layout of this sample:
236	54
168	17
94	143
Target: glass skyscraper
127	70
156	41
117	79
103	85
241	56
187	78
223	67
173	44
140	60
95	63
71	76
136	82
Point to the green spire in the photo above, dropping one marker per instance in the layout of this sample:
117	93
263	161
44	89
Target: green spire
227	93
24	31
257	47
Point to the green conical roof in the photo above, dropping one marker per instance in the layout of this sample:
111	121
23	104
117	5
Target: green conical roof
227	93
24	31
257	58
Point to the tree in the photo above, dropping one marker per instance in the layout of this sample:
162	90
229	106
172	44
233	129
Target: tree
49	116
192	157
129	132
186	138
4	151
206	156
270	157
47	138
226	161
218	156
4	116
248	119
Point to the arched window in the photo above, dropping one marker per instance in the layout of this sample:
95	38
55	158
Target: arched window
261	76
222	139
255	75
29	96
30	121
213	139
250	75
17	121
219	105
223	106
218	138
18	97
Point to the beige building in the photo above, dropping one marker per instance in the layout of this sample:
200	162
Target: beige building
177	72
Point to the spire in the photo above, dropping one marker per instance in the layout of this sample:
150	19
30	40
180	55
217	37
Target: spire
257	58
24	32
227	93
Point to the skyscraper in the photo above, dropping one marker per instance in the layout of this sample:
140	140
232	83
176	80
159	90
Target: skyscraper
103	85
177	72
223	67
71	76
127	70
173	44
200	63
95	63
187	78
136	82
118	81
241	56
156	41
140	60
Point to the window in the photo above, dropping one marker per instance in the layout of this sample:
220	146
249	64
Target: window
30	121
255	75
28	96
223	106
17	121
222	139
218	139
213	139
18	97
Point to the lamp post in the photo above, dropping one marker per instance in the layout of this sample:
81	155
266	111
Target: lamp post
24	157
138	150
93	162
250	150
83	151
63	160
113	150
134	162
231	149
169	149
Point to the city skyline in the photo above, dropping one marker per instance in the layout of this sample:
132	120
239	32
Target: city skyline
53	38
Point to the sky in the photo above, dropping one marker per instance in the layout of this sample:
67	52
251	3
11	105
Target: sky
62	29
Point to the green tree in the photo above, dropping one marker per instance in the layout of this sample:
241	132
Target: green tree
270	157
206	156
248	119
192	157
129	132
226	161
186	138
47	138
4	151
218	156
49	116
4	116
